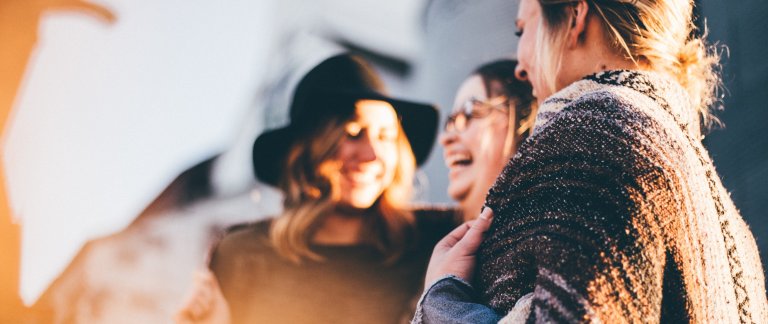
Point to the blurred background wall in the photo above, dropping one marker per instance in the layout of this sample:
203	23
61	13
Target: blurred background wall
130	144
740	149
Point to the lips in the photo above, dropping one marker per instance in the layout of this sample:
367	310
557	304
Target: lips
458	159
362	177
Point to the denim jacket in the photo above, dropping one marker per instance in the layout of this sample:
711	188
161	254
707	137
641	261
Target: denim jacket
452	300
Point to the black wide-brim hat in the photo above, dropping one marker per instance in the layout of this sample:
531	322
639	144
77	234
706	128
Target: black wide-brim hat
329	90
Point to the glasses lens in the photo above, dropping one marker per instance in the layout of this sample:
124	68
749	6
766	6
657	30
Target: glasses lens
449	124
456	122
472	108
460	122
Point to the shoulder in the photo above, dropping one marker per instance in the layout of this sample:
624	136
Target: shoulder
606	106
622	103
598	139
605	122
244	238
242	251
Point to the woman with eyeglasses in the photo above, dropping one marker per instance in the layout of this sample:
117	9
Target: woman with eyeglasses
493	113
612	211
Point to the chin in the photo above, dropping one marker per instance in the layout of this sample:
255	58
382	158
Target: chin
362	200
457	194
361	205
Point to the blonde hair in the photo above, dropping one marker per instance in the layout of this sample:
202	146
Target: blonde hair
657	33
522	125
311	189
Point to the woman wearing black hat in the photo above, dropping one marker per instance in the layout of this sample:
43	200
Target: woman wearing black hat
347	248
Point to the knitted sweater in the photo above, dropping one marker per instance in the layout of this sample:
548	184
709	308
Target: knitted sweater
352	285
613	212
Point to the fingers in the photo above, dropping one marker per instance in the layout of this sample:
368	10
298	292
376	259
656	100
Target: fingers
454	236
471	240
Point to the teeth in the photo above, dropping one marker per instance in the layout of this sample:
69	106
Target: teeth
454	159
362	177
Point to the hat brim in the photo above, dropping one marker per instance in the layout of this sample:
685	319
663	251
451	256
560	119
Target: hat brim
419	122
269	153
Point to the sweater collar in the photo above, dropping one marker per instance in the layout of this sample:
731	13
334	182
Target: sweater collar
666	92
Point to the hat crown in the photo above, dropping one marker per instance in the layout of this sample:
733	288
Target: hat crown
331	90
340	74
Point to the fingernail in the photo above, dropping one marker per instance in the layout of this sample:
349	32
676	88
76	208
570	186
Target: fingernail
486	213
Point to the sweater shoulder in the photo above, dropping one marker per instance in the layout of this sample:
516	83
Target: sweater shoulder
246	238
611	115
605	105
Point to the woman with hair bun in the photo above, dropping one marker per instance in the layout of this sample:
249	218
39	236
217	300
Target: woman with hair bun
612	210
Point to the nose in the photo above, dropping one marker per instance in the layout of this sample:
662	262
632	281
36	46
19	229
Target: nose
366	150
448	137
520	73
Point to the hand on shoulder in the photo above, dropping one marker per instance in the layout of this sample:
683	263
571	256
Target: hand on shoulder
455	253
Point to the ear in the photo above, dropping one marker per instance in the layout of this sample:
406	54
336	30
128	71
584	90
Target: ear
579	24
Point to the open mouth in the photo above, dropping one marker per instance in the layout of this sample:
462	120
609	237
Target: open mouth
458	160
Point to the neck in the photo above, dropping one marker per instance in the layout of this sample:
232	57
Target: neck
471	203
471	209
592	55
595	60
340	227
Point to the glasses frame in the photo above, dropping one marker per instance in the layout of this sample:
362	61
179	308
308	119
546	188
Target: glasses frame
460	118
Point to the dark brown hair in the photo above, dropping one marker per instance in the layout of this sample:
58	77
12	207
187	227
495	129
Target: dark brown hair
499	80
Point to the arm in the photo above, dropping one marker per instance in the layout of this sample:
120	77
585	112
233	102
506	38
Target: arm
452	300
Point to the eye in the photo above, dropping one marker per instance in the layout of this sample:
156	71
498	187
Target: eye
354	130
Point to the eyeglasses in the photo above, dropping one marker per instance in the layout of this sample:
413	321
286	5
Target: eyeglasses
474	108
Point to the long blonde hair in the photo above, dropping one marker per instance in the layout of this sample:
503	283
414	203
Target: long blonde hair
660	34
311	191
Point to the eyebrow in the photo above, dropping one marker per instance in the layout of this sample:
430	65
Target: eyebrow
368	125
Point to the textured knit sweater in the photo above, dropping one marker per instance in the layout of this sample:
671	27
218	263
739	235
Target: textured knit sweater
613	212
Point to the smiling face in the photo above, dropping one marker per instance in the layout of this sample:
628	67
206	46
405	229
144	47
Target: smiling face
476	155
368	154
528	23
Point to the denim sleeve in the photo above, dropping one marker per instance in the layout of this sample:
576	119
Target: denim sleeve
452	300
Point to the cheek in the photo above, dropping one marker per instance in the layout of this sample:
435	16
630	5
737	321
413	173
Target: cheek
474	139
389	161
344	151
522	56
525	48
491	148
